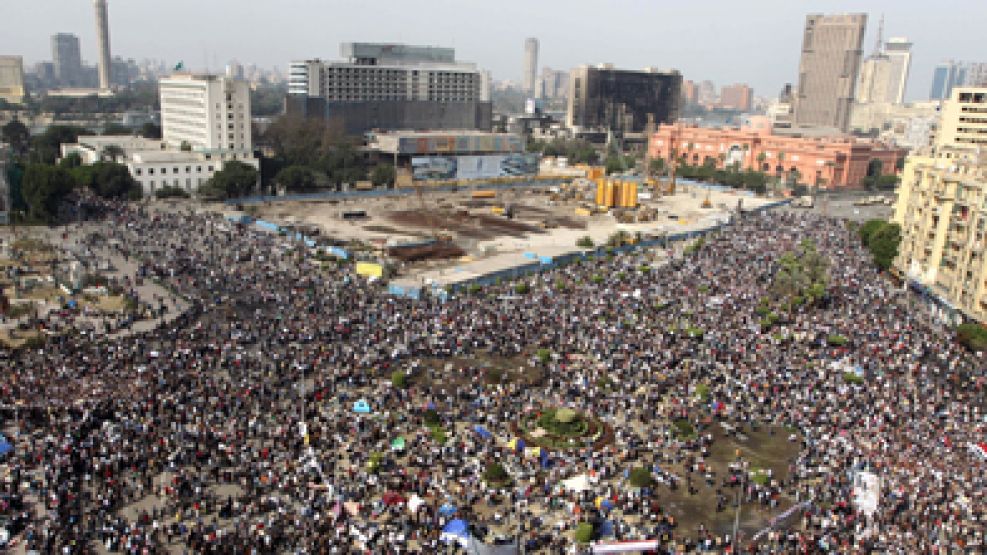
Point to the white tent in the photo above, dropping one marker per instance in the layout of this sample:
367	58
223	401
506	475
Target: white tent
577	483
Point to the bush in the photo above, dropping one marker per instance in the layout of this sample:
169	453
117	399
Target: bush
522	288
836	340
565	416
585	242
640	477
972	336
544	355
439	435
431	418
644	269
584	532
474	288
683	429
171	192
399	379
597	279
694	332
495	473
702	390
852	378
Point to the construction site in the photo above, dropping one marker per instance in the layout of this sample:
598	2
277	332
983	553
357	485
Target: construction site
424	236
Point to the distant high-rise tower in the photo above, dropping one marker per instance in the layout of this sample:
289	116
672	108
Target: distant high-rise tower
103	40
943	80
899	52
530	65
67	59
831	49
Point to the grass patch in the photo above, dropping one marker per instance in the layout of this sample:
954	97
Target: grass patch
852	378
836	340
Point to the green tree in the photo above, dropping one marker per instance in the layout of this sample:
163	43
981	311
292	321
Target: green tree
884	243
46	147
234	180
972	336
112	181
71	161
16	134
639	477
868	229
112	153
296	178
383	175
44	188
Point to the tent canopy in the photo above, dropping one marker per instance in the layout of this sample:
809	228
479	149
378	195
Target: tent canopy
398	444
482	432
456	531
361	406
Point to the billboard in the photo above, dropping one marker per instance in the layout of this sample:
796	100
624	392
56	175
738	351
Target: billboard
474	167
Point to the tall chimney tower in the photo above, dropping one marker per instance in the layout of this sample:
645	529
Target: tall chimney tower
103	39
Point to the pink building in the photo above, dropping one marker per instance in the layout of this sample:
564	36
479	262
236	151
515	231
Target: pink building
823	162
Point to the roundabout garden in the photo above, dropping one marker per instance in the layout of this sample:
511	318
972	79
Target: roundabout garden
562	428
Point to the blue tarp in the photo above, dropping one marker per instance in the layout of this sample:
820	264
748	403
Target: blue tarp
482	432
545	259
5	446
361	407
447	509
339	252
530	256
456	531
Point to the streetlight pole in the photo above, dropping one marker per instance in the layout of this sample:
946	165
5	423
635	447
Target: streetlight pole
736	518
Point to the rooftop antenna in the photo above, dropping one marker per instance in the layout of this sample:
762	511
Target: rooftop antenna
879	46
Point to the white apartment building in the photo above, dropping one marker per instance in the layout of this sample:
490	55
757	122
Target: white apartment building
206	113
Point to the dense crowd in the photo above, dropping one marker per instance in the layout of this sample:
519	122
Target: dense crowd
231	427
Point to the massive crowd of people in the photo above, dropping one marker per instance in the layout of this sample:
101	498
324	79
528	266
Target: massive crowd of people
231	427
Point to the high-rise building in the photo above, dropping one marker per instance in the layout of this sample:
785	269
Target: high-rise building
602	98
530	65
899	53
875	78
943	80
391	86
964	119
738	97
12	79
832	46
67	58
103	41
206	112
551	84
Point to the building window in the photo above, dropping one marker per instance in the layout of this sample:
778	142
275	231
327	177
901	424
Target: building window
150	171
188	169
137	171
198	169
174	169
210	169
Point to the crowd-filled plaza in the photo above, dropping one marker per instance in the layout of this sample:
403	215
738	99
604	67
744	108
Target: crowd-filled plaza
288	406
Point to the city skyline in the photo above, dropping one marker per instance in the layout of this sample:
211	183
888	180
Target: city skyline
491	35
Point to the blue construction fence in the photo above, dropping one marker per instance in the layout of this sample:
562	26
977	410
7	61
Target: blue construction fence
543	263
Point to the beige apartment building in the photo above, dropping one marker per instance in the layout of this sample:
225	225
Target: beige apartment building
942	210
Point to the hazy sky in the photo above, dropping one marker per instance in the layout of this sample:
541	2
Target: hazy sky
753	41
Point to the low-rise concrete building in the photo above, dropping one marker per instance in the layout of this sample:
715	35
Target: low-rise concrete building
153	163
